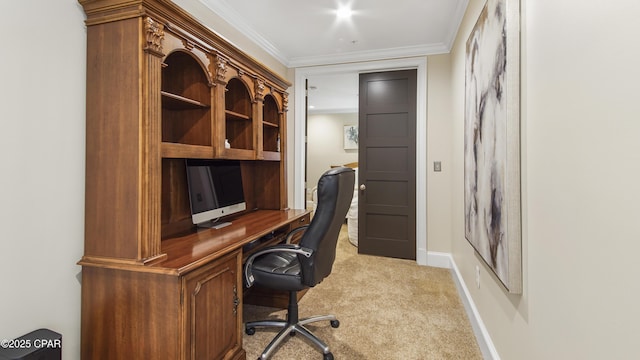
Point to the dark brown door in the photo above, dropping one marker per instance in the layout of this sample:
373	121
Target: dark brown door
387	164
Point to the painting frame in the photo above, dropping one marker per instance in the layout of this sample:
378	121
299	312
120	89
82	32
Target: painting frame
350	137
492	187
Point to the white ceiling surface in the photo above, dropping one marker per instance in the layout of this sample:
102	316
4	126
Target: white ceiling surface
302	33
333	93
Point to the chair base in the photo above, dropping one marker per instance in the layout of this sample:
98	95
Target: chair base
291	327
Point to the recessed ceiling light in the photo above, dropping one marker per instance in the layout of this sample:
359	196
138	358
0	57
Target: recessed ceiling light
344	12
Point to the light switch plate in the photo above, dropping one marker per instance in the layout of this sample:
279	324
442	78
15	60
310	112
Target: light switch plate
437	166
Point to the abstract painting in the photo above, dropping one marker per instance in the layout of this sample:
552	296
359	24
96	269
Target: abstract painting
350	137
492	141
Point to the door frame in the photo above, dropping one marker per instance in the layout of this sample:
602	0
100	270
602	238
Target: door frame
298	140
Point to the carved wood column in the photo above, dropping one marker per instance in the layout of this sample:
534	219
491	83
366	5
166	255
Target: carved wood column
258	104
150	142
284	202
219	87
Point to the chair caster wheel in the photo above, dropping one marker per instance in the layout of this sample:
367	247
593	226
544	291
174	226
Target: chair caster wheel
250	330
335	323
328	356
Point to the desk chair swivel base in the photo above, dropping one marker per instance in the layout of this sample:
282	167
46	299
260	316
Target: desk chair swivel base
292	326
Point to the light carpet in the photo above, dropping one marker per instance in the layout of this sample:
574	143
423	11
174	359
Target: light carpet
388	309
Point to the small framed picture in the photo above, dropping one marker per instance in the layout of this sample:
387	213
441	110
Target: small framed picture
350	137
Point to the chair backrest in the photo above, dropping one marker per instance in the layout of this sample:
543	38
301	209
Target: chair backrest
335	190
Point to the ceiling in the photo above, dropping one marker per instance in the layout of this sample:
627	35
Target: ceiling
302	33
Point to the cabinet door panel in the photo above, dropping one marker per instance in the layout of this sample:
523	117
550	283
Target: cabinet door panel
212	310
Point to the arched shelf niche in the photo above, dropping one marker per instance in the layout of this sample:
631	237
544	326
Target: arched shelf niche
186	100
238	115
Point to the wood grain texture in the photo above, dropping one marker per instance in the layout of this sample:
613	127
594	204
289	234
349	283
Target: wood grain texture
129	315
154	286
187	252
113	140
213	311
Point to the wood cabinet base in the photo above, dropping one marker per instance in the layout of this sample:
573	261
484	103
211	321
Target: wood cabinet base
129	314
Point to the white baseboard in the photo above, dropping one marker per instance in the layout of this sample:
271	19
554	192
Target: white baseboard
439	259
445	260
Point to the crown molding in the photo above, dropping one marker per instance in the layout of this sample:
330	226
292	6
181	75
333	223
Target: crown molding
363	56
235	19
454	26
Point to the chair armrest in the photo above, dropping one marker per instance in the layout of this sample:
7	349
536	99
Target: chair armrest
295	231
297	249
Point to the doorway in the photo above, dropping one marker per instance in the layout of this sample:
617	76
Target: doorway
297	137
332	107
387	175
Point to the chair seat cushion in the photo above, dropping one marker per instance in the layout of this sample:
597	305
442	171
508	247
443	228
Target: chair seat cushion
278	270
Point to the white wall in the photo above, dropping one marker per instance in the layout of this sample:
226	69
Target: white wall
439	139
42	103
580	176
325	144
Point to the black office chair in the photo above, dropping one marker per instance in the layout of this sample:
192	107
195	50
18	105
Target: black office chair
292	268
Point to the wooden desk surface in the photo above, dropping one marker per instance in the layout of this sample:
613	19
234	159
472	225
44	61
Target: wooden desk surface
188	252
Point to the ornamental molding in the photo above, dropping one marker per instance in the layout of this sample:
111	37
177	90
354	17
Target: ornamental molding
221	69
154	32
260	87
285	102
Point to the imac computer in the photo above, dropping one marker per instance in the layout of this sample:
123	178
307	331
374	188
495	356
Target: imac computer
215	190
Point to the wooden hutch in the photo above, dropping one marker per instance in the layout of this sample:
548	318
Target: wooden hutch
162	88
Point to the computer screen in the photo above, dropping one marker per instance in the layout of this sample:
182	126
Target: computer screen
215	190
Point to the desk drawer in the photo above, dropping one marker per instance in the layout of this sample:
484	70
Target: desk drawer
303	221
